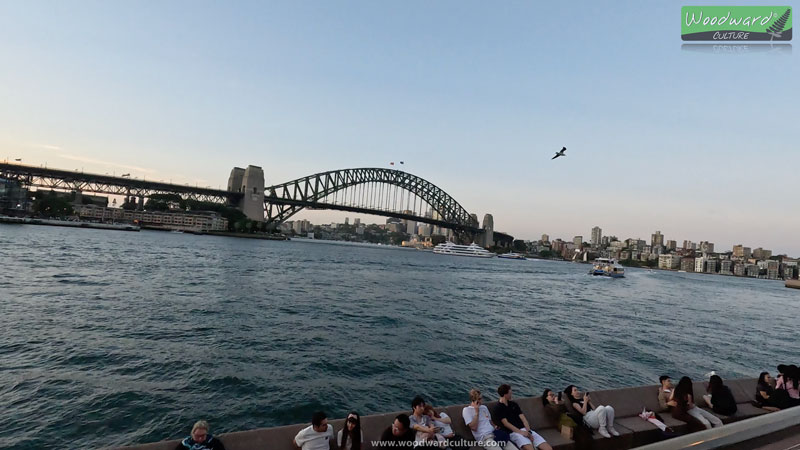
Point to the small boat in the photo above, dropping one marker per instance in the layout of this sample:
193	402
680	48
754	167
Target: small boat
608	267
511	255
472	250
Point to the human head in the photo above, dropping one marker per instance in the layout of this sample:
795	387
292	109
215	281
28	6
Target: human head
782	369
418	403
764	378
684	387
714	383
353	421
572	393
319	421
548	397
200	431
666	381
504	390
401	425
475	397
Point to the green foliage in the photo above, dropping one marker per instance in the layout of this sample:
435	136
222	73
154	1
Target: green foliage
52	205
519	245
546	254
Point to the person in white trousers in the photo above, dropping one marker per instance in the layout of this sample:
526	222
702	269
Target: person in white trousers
600	418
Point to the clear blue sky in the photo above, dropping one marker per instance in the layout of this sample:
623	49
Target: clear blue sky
473	96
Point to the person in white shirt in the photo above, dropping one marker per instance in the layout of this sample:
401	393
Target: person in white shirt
350	437
317	436
476	416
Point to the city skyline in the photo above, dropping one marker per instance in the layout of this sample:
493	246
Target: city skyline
468	95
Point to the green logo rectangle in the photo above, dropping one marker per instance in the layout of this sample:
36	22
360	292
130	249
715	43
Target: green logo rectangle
736	23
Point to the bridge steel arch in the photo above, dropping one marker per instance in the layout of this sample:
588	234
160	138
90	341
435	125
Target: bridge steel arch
284	200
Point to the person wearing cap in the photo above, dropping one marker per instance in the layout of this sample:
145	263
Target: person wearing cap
200	439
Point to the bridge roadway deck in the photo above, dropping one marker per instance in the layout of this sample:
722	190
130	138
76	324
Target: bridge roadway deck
627	402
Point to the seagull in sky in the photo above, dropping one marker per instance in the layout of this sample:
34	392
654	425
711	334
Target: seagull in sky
561	153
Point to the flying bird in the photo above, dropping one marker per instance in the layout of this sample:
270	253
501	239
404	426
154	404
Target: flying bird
560	153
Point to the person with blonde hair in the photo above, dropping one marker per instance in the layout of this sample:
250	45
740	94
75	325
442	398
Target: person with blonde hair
200	439
476	416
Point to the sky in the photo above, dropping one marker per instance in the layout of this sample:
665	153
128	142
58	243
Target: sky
473	96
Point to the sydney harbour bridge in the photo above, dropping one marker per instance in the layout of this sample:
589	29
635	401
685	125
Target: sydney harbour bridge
376	191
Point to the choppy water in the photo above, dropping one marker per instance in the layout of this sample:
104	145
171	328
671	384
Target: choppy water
113	338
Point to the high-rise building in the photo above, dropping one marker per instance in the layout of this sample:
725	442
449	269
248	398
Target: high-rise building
356	221
597	237
672	245
545	238
699	264
741	252
577	241
689	245
347	221
656	239
706	247
760	253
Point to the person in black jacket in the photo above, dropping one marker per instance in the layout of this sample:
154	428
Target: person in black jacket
200	439
719	397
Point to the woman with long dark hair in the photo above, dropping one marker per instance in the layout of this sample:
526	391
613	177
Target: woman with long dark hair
789	380
600	418
555	410
350	437
719	397
685	408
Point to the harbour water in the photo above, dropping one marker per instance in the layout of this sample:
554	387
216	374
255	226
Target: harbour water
114	338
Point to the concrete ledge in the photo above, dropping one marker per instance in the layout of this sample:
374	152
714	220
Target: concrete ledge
627	403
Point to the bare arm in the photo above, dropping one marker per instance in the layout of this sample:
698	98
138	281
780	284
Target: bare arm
474	424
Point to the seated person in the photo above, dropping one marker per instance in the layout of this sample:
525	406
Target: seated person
686	410
766	395
200	439
441	423
317	436
665	392
508	414
719	397
476	416
399	431
600	418
555	410
350	437
789	380
421	423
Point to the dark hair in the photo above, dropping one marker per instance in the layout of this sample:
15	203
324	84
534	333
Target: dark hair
404	421
761	379
503	389
355	435
782	368
568	391
714	385
418	400
317	418
662	378
792	374
544	397
683	389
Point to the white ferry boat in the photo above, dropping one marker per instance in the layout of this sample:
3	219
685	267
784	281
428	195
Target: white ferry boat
511	255
608	267
475	251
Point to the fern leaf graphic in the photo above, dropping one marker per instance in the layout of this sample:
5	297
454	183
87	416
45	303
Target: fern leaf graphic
777	27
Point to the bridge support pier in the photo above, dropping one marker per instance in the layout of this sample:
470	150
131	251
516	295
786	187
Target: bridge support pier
249	182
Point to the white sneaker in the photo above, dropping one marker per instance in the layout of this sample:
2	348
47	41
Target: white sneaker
603	432
613	431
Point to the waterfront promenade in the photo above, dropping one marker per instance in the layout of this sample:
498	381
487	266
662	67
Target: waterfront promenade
628	403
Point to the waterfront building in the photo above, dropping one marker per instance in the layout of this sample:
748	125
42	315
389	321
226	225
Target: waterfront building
711	265
790	271
738	269
752	270
170	220
773	270
605	241
671	246
669	261
687	264
741	252
577	241
725	267
13	198
597	237
618	245
656	239
700	264
301	226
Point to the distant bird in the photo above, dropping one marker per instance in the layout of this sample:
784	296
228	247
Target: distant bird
561	153
18	159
